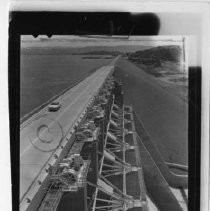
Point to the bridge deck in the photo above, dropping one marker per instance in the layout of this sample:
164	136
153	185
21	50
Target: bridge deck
41	135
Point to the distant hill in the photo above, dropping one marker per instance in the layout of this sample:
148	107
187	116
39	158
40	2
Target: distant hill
90	50
113	53
157	54
158	61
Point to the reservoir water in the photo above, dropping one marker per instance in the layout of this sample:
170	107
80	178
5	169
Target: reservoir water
44	76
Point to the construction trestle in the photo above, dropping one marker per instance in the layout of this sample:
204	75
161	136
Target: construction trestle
97	155
107	196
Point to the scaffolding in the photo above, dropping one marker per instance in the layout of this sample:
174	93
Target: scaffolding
107	196
72	172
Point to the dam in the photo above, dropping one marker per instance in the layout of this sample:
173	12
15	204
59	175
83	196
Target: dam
95	153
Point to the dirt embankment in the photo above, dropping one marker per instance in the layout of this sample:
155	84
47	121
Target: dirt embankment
165	63
163	113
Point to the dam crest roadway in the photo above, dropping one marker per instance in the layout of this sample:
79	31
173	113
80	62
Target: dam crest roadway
124	148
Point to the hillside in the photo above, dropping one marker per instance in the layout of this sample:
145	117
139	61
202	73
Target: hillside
158	54
166	64
159	61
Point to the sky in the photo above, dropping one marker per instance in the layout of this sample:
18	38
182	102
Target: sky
171	23
131	44
83	41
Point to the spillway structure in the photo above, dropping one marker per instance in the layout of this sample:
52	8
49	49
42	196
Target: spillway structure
86	155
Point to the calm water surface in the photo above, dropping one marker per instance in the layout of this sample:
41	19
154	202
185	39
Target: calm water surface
44	76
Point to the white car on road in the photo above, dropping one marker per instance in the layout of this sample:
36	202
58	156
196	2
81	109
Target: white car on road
54	106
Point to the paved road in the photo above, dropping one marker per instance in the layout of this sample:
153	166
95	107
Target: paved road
164	115
40	137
